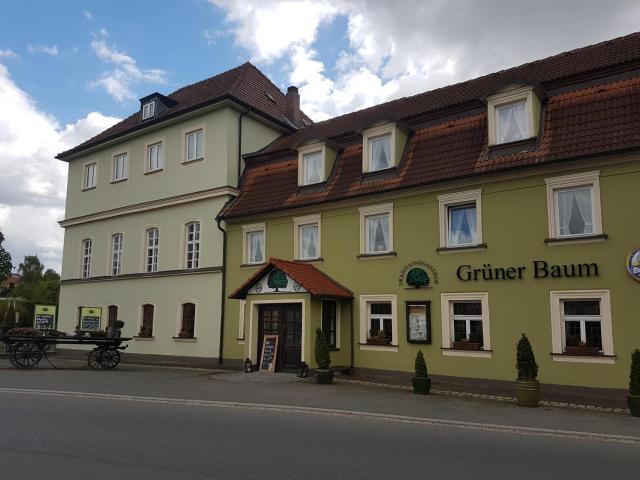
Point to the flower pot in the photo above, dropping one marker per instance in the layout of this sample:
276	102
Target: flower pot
634	405
528	393
466	345
585	351
324	377
421	385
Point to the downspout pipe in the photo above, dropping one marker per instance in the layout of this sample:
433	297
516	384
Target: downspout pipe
223	288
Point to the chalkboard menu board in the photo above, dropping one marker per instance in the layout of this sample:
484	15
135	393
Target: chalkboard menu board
44	317
90	319
269	353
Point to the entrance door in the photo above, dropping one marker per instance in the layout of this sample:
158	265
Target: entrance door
284	320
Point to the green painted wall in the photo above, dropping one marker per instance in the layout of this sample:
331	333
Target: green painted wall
514	217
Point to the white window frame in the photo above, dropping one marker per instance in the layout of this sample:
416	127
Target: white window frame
386	208
155	251
85	257
246	230
459	199
555	184
557	331
114	166
298	223
195	243
307	150
86	183
446	305
374	132
159	145
117	249
515	95
365	301
241	323
148	109
185	142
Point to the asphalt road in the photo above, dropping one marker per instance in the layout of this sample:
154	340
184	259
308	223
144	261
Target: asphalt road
184	424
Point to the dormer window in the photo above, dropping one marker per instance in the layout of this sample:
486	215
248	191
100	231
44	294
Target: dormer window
148	109
380	153
513	115
382	146
315	161
312	167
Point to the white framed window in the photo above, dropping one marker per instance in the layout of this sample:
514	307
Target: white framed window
379	153
120	167
87	247
315	160
192	245
380	147
581	326
465	324
573	203
117	246
254	244
376	229
460	219
90	174
194	145
148	109
152	243
378	319
312	168
155	157
513	115
306	242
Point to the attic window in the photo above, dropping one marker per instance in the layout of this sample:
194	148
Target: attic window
148	109
315	161
382	146
513	114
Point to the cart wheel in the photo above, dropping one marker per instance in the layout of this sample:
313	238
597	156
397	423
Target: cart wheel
93	359
109	358
25	354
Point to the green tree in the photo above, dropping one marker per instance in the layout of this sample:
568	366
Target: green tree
421	366
5	260
323	358
31	269
417	278
526	360
37	287
277	279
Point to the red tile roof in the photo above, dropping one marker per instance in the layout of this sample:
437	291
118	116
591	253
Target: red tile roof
245	83
314	280
584	122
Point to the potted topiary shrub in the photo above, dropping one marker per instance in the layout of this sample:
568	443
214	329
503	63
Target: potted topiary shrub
421	380
633	399
324	374
527	385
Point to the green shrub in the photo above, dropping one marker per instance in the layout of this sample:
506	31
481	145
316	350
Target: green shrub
526	360
634	376
421	366
323	359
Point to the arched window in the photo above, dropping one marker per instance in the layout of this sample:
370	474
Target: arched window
187	328
192	245
87	247
116	253
146	329
152	245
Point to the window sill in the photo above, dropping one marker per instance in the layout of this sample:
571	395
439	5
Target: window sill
465	248
178	339
193	160
252	265
113	182
378	348
310	260
562	357
451	352
370	256
88	189
145	339
151	172
577	239
525	145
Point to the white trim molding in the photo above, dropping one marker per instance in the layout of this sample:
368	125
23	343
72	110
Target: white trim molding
378	131
586	179
241	326
385	208
455	199
513	95
192	129
446	302
315	147
246	230
364	302
306	221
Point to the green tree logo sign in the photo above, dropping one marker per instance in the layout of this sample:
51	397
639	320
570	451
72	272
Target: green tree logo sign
417	278
277	279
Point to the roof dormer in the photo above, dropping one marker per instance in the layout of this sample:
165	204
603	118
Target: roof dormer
315	161
382	145
153	105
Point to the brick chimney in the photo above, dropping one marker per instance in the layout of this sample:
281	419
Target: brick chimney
293	105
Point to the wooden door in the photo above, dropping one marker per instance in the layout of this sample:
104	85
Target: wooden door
284	320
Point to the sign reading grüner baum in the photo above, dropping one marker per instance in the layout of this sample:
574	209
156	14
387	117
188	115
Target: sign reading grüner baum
539	269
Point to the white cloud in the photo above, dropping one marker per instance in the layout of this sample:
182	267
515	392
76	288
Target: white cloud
49	50
8	53
119	81
88	15
396	49
32	184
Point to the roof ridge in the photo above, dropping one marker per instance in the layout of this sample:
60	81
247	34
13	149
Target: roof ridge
225	72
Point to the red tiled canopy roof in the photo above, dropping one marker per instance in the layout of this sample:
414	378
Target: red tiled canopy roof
314	280
244	83
579	122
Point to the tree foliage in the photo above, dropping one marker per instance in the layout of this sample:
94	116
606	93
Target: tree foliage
417	278
37	287
526	360
421	366
323	358
5	260
277	279
634	376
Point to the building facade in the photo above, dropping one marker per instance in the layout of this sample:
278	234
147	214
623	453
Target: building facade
141	242
452	222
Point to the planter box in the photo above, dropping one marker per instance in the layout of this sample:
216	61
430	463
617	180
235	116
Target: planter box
466	346
584	351
377	341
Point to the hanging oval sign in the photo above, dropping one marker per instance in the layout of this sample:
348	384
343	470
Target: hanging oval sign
633	264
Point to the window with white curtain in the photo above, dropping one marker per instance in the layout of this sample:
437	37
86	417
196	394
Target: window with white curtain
463	225
90	175
120	167
309	242
377	227
192	244
153	246
116	253
312	168
380	153
575	211
154	157
511	122
254	250
87	246
195	145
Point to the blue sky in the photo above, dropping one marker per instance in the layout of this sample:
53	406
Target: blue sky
69	69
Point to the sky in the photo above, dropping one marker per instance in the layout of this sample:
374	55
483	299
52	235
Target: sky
70	69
